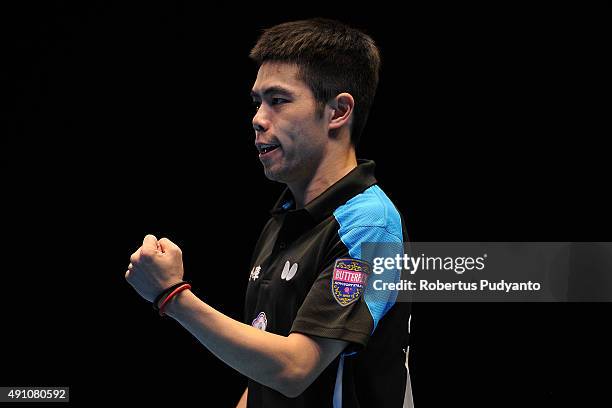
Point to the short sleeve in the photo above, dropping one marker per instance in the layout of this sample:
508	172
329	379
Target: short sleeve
325	314
329	312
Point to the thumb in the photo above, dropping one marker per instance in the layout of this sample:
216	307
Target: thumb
150	242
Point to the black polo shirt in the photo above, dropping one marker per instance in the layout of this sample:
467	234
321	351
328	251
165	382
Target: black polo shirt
308	277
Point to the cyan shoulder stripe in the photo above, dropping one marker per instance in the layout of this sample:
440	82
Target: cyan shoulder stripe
372	217
372	208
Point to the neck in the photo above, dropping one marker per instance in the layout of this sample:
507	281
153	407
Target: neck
329	171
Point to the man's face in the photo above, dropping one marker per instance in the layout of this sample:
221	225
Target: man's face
289	133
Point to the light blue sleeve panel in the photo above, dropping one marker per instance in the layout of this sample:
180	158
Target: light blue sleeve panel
371	217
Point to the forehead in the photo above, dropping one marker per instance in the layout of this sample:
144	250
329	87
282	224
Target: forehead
274	74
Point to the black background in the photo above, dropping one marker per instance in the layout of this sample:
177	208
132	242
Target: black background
122	121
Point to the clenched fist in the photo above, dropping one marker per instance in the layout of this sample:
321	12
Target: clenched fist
155	266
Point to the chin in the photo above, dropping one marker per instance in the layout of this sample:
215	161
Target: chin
273	175
277	174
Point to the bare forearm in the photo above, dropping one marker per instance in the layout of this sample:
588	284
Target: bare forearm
264	357
243	400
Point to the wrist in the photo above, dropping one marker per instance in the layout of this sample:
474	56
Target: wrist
164	298
177	303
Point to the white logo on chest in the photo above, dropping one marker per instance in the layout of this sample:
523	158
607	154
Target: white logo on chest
255	273
289	271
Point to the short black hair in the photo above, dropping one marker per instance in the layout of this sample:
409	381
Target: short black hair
331	57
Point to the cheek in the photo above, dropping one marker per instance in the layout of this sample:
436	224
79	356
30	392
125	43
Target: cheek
291	134
301	136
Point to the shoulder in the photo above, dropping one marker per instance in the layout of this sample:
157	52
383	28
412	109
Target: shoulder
370	209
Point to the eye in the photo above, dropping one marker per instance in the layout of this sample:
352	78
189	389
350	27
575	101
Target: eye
278	101
256	105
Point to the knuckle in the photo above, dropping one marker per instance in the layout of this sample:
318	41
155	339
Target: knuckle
171	246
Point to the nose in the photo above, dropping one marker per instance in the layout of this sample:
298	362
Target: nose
260	123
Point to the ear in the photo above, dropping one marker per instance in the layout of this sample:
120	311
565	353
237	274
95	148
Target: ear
341	110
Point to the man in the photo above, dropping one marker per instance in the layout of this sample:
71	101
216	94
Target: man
313	335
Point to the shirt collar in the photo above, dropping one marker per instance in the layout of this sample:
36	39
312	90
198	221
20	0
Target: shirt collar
355	182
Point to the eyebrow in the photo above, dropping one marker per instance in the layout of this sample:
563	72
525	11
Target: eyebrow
273	90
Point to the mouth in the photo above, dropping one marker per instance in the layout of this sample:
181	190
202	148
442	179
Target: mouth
265	148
